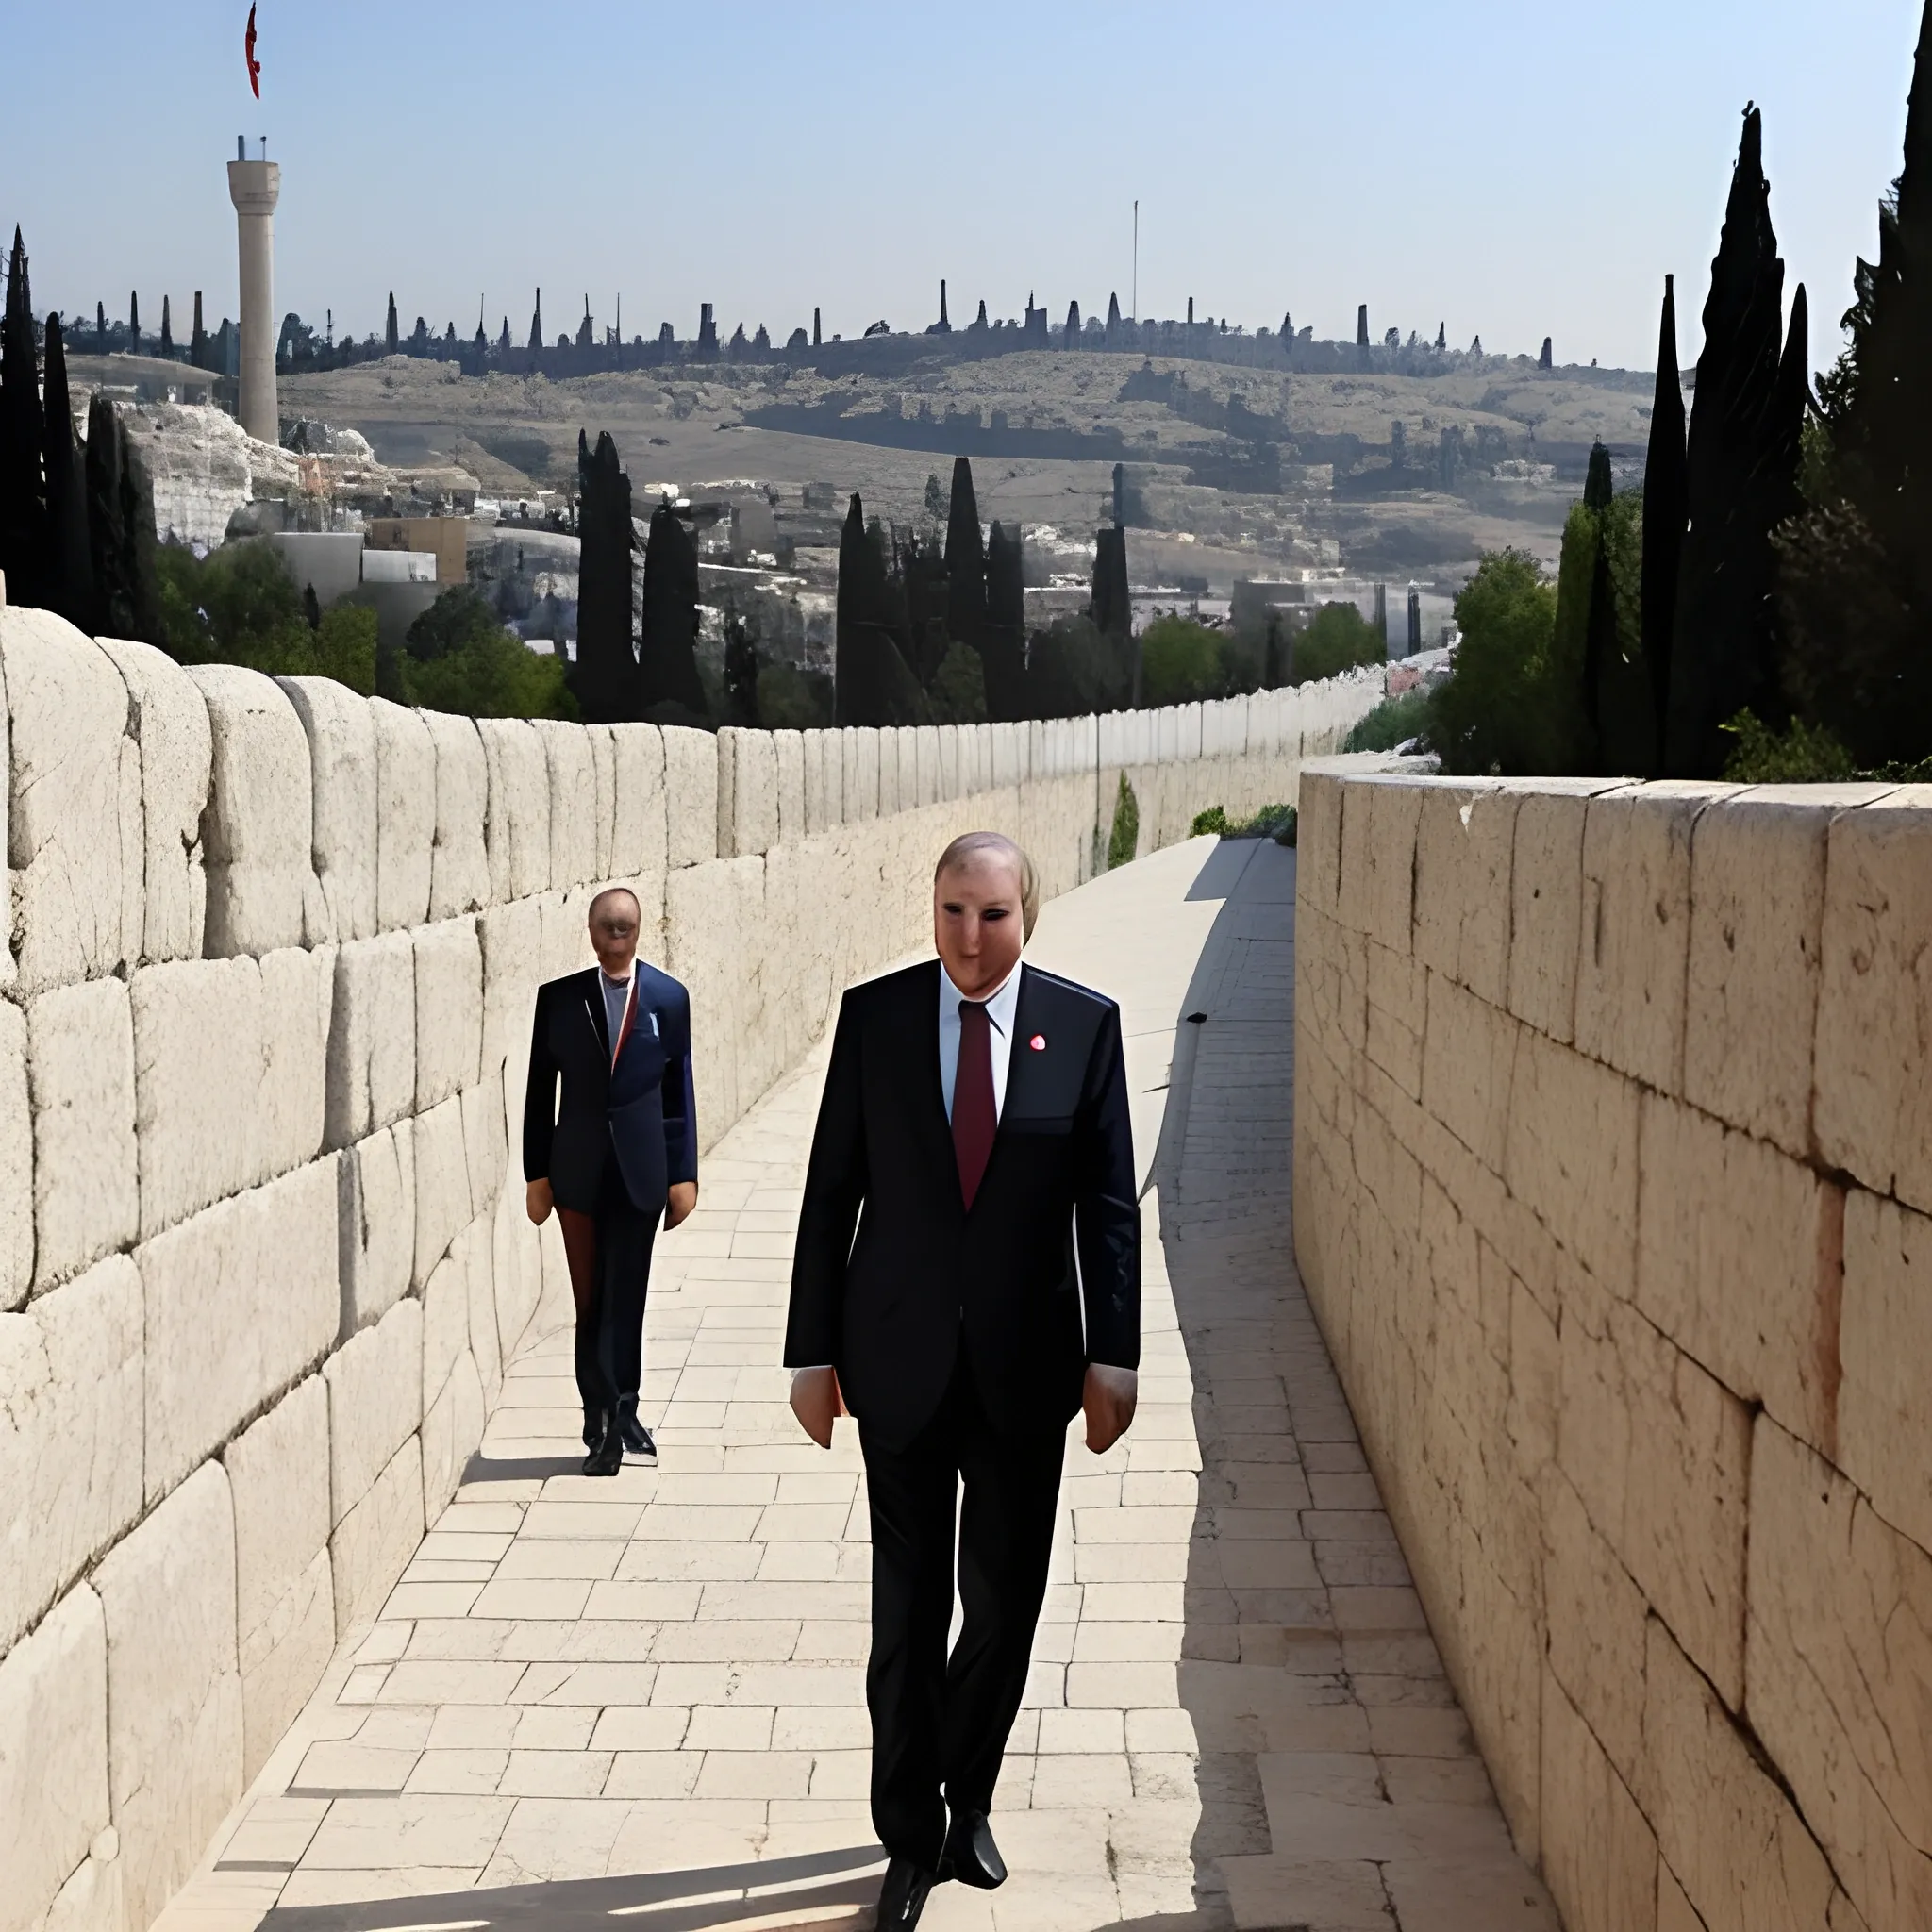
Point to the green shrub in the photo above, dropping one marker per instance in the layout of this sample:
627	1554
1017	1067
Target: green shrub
1125	840
1393	722
790	699
1181	663
1501	711
345	647
1802	755
1276	822
959	687
458	657
1338	640
1072	670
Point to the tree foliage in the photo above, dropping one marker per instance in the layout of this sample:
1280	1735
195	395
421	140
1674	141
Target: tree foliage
1740	472
239	606
458	657
1499	712
1181	663
1339	639
1855	564
1072	669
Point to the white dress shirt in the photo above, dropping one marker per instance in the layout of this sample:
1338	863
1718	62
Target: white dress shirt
1002	1009
616	999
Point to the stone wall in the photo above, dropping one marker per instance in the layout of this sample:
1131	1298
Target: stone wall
1613	1194
265	1012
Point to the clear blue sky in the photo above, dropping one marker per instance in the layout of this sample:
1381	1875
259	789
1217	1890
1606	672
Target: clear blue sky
1513	167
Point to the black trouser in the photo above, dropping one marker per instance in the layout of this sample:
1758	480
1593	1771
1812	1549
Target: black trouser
941	1723
609	1256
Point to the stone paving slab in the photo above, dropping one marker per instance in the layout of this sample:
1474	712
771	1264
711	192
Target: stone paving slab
644	1697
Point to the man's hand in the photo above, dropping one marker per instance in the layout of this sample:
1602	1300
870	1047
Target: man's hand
817	1403
679	1201
1108	1401
537	1202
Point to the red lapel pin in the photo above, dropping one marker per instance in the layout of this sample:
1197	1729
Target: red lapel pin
1038	1042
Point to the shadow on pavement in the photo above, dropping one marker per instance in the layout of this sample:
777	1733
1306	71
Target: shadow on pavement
1223	1170
767	1891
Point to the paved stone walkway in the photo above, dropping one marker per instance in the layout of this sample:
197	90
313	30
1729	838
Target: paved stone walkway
643	1698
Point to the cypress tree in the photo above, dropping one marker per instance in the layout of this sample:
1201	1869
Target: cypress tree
197	342
107	537
919	588
391	341
1889	423
1113	610
965	559
167	329
1598	486
537	324
1442	337
121	531
143	575
741	673
1666	511
1741	466
1072	341
872	682
1545	360
1856	568
101	327
72	590
133	322
1003	646
605	678
23	484
669	687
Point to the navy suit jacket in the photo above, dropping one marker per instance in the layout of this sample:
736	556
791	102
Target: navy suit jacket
642	1113
893	1276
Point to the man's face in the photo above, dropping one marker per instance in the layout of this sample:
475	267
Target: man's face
614	933
976	923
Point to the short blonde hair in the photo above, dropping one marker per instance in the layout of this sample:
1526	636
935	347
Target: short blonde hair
970	844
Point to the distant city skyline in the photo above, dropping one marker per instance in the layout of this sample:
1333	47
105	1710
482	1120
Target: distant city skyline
1505	170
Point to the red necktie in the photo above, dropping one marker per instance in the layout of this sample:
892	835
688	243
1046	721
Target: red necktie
975	1117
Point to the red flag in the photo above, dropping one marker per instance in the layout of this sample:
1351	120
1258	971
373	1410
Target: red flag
248	55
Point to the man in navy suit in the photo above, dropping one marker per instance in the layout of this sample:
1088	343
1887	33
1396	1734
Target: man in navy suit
967	1278
611	1142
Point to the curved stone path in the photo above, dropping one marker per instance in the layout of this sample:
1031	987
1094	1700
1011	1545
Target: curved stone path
641	1702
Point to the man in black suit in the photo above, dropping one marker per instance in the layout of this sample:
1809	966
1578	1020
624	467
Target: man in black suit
967	1277
618	1148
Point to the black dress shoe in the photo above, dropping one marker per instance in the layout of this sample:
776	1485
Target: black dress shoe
607	1458
902	1897
970	1856
635	1437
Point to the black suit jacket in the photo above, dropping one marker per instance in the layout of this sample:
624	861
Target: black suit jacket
643	1112
893	1276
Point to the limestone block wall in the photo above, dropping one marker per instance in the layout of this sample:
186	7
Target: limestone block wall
265	1012
1613	1194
